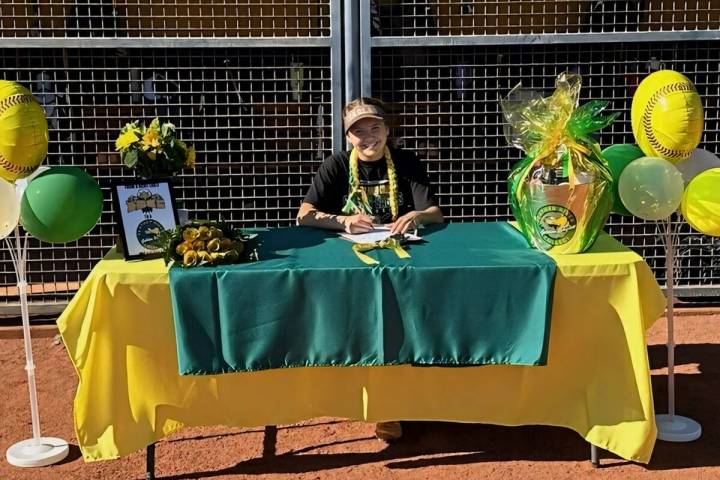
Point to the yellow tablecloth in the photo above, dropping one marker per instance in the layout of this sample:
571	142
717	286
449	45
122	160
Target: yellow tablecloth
119	333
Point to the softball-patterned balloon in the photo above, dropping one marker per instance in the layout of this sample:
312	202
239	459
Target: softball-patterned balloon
23	132
667	116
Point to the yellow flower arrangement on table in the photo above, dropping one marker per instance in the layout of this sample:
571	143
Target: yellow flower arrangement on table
153	151
198	244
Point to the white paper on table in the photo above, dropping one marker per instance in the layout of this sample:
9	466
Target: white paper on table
378	234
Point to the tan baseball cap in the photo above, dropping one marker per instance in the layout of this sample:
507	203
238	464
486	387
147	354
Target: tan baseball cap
362	111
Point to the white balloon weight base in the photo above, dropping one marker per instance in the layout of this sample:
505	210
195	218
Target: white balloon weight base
43	452
675	428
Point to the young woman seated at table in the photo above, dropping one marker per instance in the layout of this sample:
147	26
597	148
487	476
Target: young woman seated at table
371	185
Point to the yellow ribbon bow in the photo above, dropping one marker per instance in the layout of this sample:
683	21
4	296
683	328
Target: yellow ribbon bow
390	243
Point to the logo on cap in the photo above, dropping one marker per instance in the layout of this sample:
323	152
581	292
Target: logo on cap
363	111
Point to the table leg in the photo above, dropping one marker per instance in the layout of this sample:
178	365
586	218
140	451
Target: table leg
594	456
150	462
269	441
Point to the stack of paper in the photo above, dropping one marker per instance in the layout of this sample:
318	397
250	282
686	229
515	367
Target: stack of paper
378	234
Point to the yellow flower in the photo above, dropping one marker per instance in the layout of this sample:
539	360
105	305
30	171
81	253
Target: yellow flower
125	140
183	247
151	139
213	245
190	159
190	234
203	233
190	258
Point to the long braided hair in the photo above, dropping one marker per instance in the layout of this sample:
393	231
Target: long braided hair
355	202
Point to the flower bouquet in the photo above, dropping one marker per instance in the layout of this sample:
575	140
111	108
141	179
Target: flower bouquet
153	151
198	244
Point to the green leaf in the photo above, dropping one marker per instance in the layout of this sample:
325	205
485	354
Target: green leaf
587	119
130	158
167	130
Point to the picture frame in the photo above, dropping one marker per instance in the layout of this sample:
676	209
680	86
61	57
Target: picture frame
143	208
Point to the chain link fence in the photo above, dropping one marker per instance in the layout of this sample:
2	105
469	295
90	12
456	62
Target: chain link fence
164	18
252	85
445	64
256	87
513	17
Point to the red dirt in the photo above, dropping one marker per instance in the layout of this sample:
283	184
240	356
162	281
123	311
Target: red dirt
333	449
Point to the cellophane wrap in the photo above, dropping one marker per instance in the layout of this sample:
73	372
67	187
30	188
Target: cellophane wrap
561	192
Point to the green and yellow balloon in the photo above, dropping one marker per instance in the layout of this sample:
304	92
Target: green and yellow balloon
619	157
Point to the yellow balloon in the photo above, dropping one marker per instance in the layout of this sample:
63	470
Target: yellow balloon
701	202
23	132
667	116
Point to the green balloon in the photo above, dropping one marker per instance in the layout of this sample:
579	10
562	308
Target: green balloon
651	188
61	205
619	157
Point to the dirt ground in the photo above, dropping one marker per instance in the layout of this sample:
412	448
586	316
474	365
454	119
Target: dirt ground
328	448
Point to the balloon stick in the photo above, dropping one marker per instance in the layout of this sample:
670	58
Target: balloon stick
671	427
38	451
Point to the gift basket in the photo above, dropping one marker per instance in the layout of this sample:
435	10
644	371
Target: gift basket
561	192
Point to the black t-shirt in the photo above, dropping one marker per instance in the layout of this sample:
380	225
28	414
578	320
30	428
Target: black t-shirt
330	187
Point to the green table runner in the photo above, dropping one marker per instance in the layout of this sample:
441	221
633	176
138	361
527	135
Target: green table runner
473	294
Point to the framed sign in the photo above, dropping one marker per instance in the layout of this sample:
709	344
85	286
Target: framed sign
144	208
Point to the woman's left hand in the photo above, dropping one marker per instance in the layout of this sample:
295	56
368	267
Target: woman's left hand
410	220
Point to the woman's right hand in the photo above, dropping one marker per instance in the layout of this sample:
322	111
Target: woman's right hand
359	223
